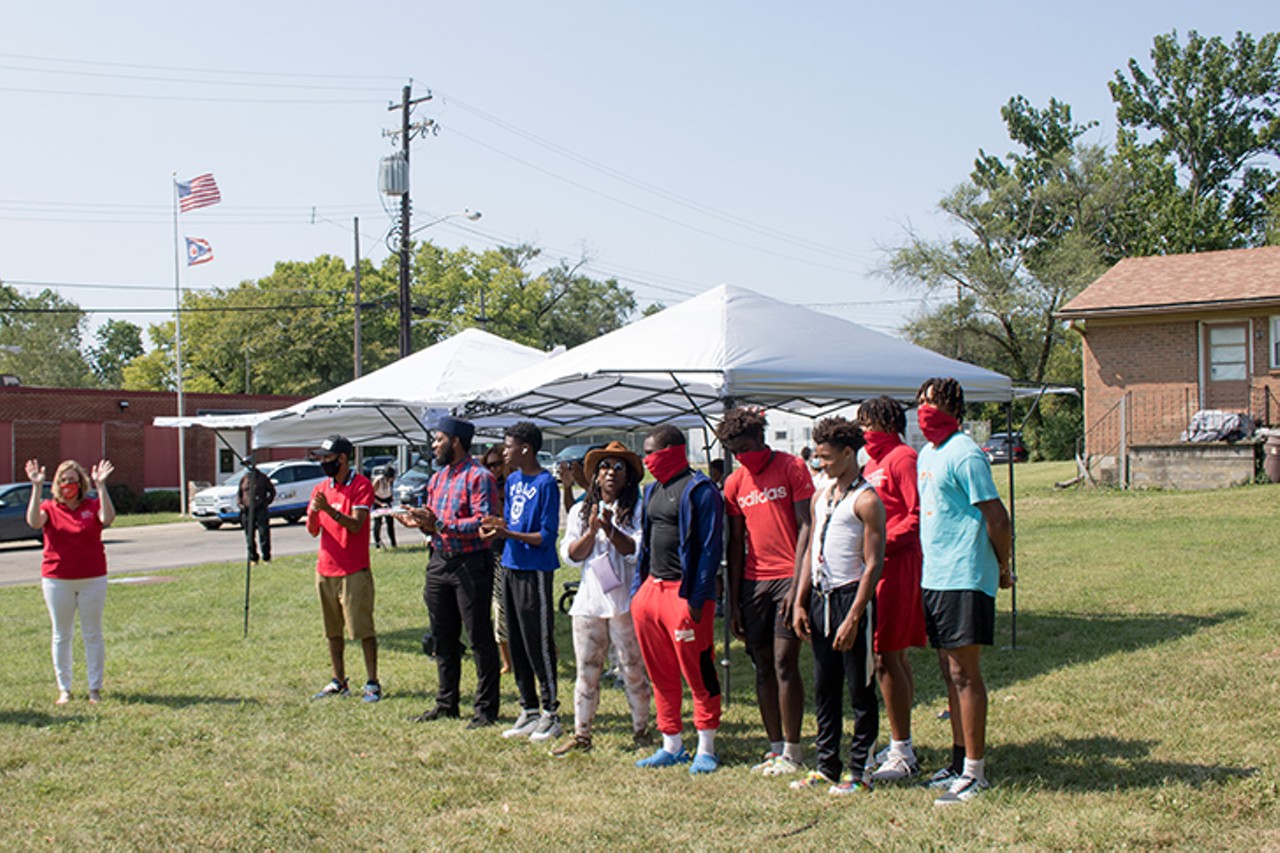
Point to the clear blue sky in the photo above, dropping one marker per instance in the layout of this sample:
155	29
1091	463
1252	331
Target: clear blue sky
779	147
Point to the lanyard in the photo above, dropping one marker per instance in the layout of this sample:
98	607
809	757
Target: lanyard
833	506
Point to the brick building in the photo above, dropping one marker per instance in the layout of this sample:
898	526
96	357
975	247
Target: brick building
1165	337
51	424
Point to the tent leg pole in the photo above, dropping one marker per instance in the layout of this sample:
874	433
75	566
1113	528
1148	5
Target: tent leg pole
727	660
1013	534
251	470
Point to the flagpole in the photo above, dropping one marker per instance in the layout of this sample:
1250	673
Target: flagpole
177	338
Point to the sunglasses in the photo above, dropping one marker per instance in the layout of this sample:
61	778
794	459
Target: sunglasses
616	467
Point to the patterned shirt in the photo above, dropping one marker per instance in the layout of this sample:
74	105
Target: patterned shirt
460	496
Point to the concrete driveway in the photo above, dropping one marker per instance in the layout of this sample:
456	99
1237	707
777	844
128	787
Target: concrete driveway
159	547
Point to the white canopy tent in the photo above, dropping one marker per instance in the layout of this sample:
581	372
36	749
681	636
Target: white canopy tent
728	346
393	405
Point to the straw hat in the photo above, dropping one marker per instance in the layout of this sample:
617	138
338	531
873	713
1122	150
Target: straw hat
613	448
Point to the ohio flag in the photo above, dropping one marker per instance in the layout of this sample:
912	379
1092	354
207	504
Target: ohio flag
198	251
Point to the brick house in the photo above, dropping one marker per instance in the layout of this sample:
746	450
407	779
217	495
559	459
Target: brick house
1175	334
51	424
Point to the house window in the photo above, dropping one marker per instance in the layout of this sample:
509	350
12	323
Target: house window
1228	355
1275	343
780	435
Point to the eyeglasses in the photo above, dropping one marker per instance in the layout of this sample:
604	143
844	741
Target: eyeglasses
616	467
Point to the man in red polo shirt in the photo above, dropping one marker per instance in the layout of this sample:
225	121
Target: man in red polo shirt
767	501
339	515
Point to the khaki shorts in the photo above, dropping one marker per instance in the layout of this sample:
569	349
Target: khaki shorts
347	602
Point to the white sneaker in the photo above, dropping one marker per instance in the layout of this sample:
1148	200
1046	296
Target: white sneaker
525	725
769	758
881	757
962	790
896	766
781	766
546	727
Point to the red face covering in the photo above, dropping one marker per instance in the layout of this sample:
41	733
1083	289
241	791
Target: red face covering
664	464
70	491
880	443
755	461
936	424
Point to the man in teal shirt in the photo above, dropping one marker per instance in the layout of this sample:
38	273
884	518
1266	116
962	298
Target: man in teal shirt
966	538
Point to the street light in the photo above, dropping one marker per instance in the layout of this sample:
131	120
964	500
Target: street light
405	341
465	213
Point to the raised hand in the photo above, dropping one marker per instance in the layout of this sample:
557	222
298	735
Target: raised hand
101	472
35	472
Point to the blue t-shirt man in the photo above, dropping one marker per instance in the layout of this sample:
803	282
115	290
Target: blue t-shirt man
953	480
532	505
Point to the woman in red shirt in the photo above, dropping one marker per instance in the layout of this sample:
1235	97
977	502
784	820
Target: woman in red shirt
74	571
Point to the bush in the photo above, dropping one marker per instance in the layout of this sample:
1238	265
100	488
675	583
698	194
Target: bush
123	498
160	501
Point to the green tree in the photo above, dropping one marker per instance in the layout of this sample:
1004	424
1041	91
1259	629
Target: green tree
1032	229
1200	134
40	337
292	332
153	370
117	343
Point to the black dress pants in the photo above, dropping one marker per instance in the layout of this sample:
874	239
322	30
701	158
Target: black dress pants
459	594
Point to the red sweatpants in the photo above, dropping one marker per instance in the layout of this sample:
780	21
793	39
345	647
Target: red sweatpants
673	645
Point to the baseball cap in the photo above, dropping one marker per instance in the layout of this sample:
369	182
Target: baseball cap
336	444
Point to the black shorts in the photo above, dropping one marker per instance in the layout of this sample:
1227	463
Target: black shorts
761	606
954	618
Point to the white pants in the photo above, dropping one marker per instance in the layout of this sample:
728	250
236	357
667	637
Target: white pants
592	638
64	598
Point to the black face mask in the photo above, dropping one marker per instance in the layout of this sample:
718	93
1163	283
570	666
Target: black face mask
331	467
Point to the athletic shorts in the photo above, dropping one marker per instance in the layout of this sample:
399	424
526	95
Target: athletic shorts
954	618
347	602
761	606
901	615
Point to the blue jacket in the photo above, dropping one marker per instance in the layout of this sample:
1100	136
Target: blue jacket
701	540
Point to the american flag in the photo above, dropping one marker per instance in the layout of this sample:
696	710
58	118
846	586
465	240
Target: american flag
198	251
197	192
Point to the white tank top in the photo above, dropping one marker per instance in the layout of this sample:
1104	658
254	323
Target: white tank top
836	551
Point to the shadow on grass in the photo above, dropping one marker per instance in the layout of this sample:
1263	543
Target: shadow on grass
38	719
1104	764
178	700
1057	640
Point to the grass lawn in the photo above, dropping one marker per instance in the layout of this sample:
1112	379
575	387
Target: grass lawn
1139	710
145	519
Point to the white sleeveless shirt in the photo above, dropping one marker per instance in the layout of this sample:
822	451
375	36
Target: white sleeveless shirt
836	551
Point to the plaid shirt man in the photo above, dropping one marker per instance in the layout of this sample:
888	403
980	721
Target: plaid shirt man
460	496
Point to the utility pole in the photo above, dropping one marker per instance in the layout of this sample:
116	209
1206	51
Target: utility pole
406	133
355	228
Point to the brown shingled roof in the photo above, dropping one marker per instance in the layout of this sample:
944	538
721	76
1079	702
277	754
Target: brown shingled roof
1159	284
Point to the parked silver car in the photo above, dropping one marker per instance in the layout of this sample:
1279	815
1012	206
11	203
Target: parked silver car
13	512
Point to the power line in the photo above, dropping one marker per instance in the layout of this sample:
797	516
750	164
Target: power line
187	80
240	72
230	309
665	194
192	98
168	288
648	212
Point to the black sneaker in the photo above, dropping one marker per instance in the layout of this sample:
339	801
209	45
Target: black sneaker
481	722
439	712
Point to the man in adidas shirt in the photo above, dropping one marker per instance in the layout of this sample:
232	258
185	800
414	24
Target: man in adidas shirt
767	503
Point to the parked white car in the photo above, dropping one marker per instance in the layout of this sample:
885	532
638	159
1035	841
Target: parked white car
293	479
